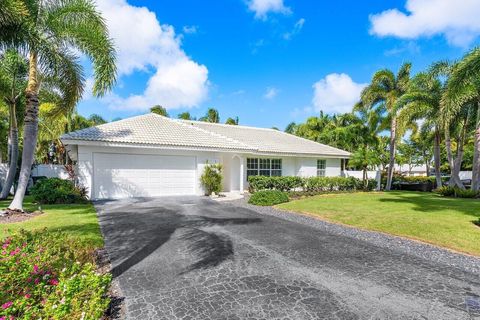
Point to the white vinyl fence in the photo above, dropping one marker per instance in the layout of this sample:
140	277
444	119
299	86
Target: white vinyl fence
465	175
377	175
41	170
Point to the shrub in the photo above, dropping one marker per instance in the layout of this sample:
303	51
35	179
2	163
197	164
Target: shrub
456	192
50	276
268	198
212	178
446	191
311	184
56	190
287	183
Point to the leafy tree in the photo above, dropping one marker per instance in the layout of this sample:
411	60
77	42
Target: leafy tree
232	121
158	109
211	116
185	116
96	119
291	128
13	74
48	33
382	94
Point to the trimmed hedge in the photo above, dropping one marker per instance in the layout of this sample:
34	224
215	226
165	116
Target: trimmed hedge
268	198
57	191
311	184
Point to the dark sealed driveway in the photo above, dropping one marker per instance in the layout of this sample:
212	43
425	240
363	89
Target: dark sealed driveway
191	258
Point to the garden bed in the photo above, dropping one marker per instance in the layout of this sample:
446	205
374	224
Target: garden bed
18	217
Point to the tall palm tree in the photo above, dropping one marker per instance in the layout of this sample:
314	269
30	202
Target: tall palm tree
13	74
49	34
422	102
158	109
464	88
382	93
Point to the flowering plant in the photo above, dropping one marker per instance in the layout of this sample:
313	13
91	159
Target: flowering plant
51	276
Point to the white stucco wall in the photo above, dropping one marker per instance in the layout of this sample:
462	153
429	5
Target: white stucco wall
291	166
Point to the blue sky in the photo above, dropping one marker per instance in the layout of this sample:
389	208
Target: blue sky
270	62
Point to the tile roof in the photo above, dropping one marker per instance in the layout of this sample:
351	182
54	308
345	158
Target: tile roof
153	129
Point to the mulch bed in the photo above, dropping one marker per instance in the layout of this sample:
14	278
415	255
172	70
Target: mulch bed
12	216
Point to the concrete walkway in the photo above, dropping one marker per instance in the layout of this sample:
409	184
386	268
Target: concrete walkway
193	258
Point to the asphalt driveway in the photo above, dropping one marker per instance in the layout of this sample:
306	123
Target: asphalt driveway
192	258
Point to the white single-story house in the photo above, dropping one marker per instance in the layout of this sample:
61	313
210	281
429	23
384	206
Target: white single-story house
151	155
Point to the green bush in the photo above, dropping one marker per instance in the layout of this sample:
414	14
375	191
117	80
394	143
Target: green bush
456	192
56	190
212	178
310	184
288	183
46	275
268	198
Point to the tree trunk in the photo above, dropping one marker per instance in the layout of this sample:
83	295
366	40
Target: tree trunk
393	137
30	133
454	178
12	168
436	158
476	153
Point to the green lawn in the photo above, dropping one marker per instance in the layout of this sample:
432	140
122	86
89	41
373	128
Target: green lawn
78	220
446	222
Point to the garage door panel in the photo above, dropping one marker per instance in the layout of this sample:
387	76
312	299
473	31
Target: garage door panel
122	175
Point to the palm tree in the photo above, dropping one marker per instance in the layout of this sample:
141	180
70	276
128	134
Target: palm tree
463	87
422	102
13	73
382	93
158	109
96	119
231	121
366	130
49	33
291	128
185	116
211	116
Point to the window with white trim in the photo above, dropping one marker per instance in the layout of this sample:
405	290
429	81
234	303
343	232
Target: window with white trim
321	167
264	167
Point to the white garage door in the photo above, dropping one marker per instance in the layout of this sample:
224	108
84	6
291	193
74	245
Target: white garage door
122	175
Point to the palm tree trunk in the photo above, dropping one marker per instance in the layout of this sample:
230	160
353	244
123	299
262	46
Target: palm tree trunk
436	158
476	153
454	178
30	133
12	168
393	137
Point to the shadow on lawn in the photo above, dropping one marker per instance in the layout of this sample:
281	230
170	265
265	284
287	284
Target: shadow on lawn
133	233
429	202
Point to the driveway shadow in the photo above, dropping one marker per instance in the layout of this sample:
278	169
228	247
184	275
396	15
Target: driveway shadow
134	232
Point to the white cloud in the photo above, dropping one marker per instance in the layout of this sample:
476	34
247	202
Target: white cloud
143	44
296	29
457	20
263	7
271	93
190	29
336	93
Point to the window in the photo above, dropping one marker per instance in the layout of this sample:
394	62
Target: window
252	167
264	167
321	167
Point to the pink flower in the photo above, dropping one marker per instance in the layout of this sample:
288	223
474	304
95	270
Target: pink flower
5	246
37	281
3	318
28	296
53	282
35	268
7	305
